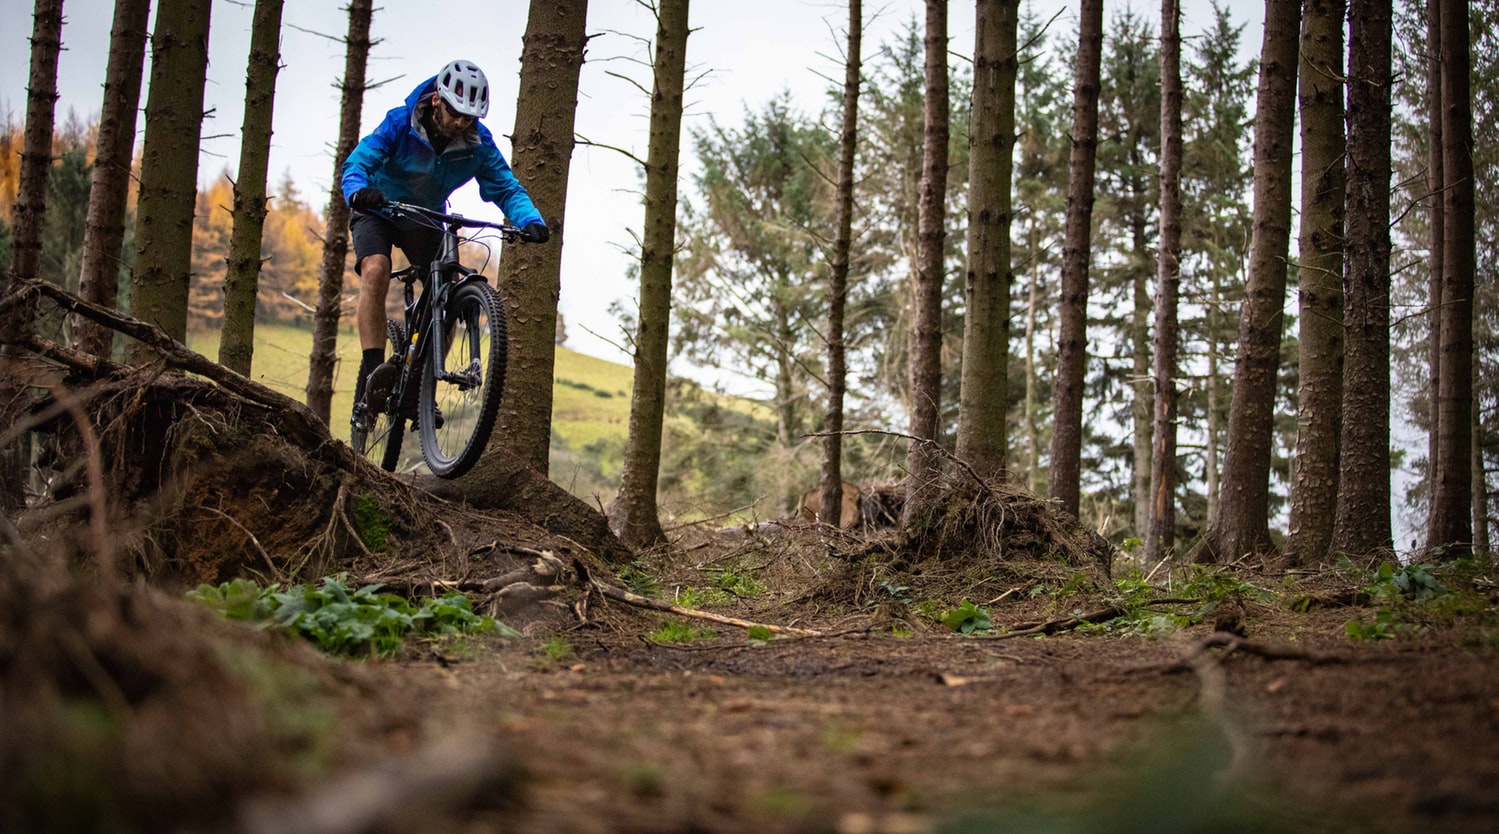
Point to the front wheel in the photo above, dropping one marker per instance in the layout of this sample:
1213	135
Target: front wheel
460	394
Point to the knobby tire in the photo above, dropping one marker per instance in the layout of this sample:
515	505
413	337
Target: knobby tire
476	320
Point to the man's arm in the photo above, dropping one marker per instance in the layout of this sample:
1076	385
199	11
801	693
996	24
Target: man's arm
372	151
498	185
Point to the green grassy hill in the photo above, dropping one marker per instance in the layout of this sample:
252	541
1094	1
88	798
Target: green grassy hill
591	396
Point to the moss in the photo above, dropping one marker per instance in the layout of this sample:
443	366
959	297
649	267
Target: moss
371	522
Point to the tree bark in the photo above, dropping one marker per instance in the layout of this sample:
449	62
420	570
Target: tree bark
36	151
242	276
531	276
169	168
634	515
831	484
1363	515
1451	530
1161	532
984	392
336	229
1314	469
1072	338
1243	525
30	211
1436	181
923	460
104	235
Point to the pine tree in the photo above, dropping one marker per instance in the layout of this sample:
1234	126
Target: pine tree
831	483
1314	483
169	168
1162	527
237	343
336	227
634	515
531	276
1242	525
1072	340
984	403
923	459
104	234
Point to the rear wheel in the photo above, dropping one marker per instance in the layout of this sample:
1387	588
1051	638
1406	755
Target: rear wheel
460	394
380	440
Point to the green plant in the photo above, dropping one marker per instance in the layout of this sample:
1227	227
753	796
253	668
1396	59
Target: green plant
638	580
1214	585
1412	581
676	631
760	635
1385	626
357	623
690	597
968	618
738	583
557	649
371	522
896	592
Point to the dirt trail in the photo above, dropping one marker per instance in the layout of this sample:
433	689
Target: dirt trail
930	733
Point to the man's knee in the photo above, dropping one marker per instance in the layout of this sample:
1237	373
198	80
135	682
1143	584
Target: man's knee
374	272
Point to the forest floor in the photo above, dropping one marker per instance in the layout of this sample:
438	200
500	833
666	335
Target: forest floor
1203	700
893	723
997	669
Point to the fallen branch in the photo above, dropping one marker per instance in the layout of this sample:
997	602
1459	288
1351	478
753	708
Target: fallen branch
1101	615
1234	643
621	595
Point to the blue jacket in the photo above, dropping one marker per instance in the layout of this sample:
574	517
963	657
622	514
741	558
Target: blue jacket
398	159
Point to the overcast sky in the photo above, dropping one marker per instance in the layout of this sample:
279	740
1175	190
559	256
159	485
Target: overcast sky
749	51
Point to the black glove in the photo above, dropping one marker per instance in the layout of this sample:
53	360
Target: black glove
536	233
367	199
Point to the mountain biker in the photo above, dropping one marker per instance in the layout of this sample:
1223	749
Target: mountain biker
421	153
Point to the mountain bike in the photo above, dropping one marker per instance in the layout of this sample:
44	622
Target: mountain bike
447	368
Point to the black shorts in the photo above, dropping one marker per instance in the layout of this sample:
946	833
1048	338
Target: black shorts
375	234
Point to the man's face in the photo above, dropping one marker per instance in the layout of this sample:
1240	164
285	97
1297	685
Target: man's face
450	124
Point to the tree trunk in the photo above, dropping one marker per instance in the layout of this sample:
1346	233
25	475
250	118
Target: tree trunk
169	168
1452	507
634	515
1032	432
1072	338
30	211
923	460
1142	387
36	151
104	235
984	392
1481	543
1160	535
531	276
1363	515
1436	236
242	276
1314	479
831	485
1243	525
336	228
1215	405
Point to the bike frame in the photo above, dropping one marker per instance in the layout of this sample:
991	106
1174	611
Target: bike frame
425	312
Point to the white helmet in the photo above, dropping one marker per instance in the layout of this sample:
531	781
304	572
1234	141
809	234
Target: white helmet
463	86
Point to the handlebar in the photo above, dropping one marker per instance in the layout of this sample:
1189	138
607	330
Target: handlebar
454	221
